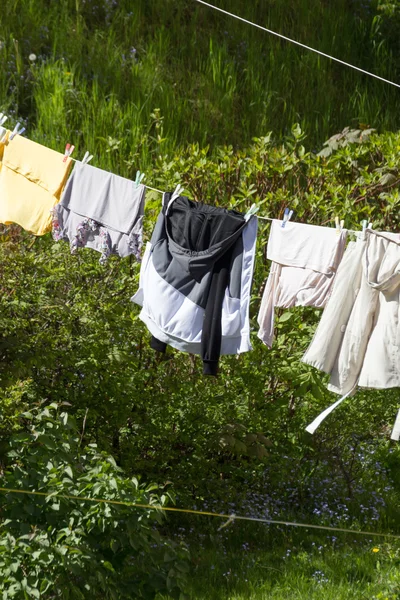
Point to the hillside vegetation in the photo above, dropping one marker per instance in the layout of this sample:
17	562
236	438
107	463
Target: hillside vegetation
88	409
107	71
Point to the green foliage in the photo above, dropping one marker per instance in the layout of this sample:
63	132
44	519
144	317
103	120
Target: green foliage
281	563
69	332
385	28
191	97
235	439
56	546
103	68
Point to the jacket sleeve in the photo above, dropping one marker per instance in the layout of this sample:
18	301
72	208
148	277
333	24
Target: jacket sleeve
155	344
212	326
266	315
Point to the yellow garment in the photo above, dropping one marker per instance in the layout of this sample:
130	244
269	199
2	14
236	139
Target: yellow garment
2	145
32	178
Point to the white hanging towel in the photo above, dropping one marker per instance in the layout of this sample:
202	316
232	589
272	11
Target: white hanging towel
304	259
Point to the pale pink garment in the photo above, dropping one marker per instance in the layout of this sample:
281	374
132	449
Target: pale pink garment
305	259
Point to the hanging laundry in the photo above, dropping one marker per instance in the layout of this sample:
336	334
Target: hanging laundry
4	134
195	280
3	141
304	259
32	178
102	211
358	338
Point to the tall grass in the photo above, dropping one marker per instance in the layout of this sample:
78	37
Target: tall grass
103	67
258	562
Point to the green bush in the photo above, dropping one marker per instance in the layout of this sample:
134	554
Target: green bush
60	547
70	333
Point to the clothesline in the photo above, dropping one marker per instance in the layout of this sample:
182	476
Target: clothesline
161	192
153	189
93	213
258	216
146	186
273	219
69	149
284	37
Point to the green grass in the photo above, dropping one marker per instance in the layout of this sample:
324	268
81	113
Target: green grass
103	67
302	571
253	562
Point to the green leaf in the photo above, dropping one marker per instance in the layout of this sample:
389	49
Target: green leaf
285	317
108	566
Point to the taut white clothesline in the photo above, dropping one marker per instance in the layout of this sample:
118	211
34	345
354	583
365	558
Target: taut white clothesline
273	219
161	192
146	186
153	189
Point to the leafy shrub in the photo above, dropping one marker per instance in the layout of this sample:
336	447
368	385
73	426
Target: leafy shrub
59	547
68	333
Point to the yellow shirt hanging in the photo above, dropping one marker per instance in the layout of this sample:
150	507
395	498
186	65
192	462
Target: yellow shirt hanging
3	141
32	178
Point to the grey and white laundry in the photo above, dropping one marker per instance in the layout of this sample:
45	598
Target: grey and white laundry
304	259
358	338
195	280
102	211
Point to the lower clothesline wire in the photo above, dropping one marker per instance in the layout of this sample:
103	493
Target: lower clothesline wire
231	518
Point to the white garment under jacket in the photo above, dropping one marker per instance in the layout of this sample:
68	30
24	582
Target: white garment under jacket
305	259
358	338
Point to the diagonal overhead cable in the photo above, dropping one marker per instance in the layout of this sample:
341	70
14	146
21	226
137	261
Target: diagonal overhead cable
283	37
